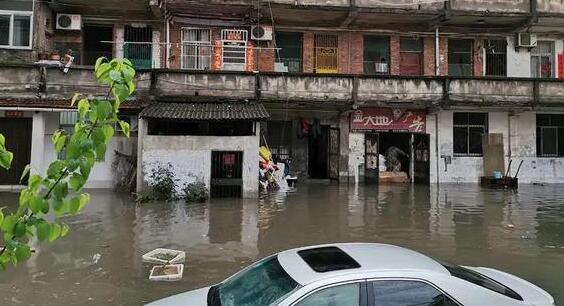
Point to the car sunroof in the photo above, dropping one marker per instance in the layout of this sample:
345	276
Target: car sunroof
328	259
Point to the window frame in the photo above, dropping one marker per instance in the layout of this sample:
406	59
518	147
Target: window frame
468	126
12	14
198	45
451	52
551	55
539	136
370	281
363	300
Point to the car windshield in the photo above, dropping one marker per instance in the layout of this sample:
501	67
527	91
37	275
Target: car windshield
481	280
261	284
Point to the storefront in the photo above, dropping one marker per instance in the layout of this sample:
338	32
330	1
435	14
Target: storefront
396	146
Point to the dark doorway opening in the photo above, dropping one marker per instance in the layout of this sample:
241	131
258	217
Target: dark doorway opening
421	166
94	47
318	154
401	141
17	132
226	174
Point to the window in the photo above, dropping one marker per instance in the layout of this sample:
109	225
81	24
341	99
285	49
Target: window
343	295
460	57
196	49
327	259
262	283
468	129
496	57
376	54
15	29
542	60
550	135
411	56
481	280
290	52
234	44
326	53
408	293
201	128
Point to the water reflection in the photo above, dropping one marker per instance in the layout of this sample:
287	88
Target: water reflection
100	261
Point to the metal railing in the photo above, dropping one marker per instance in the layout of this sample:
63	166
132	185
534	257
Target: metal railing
293	64
196	55
376	67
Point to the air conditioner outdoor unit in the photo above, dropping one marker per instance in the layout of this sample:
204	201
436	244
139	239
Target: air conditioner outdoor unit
526	40
68	22
262	32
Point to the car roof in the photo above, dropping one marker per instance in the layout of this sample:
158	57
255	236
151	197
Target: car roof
372	257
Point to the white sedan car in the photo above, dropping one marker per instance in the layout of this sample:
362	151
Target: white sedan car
362	274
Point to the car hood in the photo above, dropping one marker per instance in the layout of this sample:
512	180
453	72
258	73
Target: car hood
197	297
530	293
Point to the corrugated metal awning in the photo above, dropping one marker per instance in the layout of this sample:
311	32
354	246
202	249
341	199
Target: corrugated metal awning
205	111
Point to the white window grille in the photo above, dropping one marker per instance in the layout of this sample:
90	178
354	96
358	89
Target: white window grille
234	43
16	29
196	49
542	60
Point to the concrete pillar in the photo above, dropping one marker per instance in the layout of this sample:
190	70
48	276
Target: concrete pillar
37	143
119	39
344	147
141	133
156	50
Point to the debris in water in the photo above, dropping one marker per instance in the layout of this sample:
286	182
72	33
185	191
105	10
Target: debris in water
96	257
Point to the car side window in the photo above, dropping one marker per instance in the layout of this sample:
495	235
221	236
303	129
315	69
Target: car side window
408	293
342	295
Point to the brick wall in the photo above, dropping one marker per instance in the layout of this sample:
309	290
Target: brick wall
429	56
357	53
478	61
308	40
443	55
266	57
394	55
344	56
175	39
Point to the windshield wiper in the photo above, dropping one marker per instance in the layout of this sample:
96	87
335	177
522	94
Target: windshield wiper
213	296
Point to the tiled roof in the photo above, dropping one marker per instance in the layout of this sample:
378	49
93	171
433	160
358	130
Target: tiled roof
55	103
205	111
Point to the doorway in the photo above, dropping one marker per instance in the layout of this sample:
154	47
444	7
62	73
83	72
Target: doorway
318	165
17	132
226	174
94	47
421	165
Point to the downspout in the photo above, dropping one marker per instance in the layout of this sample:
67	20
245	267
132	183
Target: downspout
437	145
167	26
437	53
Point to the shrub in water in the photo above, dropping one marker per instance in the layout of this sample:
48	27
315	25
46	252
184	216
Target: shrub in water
195	192
162	183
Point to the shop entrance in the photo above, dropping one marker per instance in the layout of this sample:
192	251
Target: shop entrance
318	166
397	157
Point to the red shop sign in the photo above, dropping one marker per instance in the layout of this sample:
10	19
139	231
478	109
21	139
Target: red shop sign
387	119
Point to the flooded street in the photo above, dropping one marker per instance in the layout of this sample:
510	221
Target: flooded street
100	261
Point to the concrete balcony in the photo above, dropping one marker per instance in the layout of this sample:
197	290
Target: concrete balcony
23	85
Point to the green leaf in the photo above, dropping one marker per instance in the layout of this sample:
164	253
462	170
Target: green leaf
55	169
102	73
64	230
93	114
42	229
76	181
74	98
98	137
34	182
83	107
108	131
2	141
85	167
9	224
101	152
6	158
99	61
61	190
60	143
25	172
104	109
39	204
84	199
124	127
60	206
115	76
19	229
22	252
25	197
54	232
1	216
74	205
120	92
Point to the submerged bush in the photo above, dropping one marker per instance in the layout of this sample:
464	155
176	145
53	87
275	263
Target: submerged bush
195	192
162	183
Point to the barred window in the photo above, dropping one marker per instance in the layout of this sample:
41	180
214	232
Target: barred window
550	135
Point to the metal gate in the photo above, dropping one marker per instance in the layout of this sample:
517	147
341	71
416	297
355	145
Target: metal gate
226	174
17	132
326	53
334	153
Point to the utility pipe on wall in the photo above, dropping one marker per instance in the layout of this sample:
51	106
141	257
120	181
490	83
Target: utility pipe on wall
437	53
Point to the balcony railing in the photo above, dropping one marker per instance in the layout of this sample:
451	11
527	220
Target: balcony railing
293	65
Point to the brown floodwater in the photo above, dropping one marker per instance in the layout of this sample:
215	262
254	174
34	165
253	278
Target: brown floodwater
99	262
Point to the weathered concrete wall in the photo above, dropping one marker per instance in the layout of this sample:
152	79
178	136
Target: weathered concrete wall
43	150
190	157
518	60
356	156
550	6
399	90
236	86
310	88
491	91
498	6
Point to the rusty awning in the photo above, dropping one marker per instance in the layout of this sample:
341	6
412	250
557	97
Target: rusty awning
205	111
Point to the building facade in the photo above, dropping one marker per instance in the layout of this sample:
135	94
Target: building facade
342	81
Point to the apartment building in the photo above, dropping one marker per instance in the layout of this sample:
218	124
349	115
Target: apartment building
341	80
